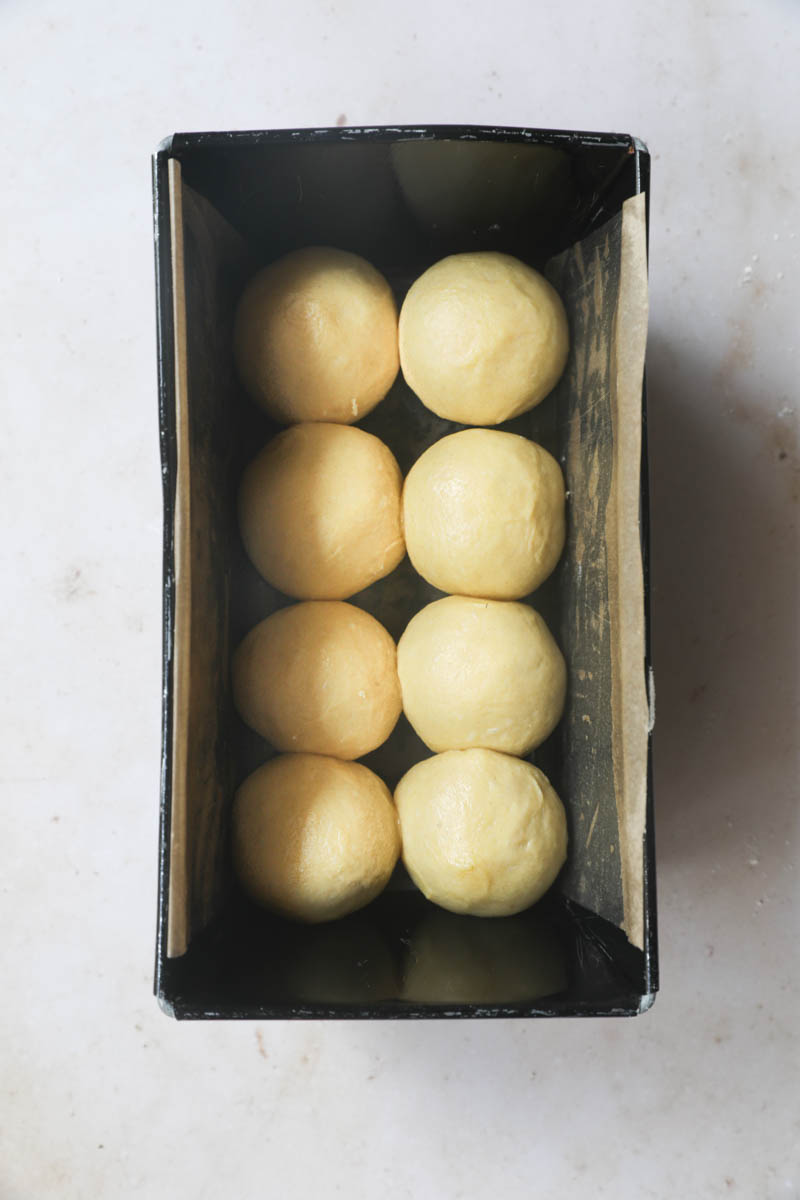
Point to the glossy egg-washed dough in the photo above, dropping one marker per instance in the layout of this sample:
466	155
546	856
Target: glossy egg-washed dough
319	511
483	338
314	838
315	336
483	833
483	514
484	673
320	677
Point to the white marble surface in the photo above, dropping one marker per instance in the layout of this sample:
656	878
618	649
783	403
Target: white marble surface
100	1094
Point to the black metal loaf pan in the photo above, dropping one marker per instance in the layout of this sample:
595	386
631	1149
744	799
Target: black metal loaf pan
226	203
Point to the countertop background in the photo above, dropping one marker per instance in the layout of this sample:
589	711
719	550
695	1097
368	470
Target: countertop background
101	1095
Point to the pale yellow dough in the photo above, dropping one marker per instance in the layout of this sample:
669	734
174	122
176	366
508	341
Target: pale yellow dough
320	677
319	511
483	513
483	338
314	838
483	833
315	336
484	673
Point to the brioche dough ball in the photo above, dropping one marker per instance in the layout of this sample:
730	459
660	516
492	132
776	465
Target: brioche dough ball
483	338
483	833
319	511
481	673
483	514
319	677
314	838
315	336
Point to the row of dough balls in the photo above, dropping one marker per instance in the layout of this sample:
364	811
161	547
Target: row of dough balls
315	838
481	337
324	677
324	512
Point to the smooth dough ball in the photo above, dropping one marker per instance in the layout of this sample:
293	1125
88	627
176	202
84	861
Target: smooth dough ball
483	338
483	514
482	673
315	336
483	833
319	677
319	511
314	838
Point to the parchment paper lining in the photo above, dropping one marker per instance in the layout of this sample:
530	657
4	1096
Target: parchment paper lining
629	691
603	281
178	908
601	769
